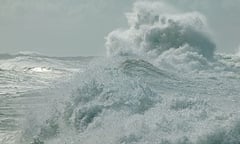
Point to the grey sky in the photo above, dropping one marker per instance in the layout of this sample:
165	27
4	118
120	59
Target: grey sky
78	27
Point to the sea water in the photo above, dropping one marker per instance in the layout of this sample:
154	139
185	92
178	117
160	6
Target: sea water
162	82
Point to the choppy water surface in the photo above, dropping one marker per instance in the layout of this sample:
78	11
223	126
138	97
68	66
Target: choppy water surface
22	78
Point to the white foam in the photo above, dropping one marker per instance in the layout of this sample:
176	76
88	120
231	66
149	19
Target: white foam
147	23
157	31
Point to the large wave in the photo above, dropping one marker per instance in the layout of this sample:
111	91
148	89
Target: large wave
135	96
134	102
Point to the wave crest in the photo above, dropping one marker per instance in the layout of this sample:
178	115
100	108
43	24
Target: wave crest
155	28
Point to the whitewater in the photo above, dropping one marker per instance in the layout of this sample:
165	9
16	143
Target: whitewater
162	82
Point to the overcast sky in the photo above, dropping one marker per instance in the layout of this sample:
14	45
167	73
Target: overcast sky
78	27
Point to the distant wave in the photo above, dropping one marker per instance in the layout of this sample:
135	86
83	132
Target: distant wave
36	54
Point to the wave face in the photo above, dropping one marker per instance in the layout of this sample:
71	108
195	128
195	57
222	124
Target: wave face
131	101
162	83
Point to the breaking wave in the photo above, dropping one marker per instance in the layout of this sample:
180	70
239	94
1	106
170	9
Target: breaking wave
162	83
153	31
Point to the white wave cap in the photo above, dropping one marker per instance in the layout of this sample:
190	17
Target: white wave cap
155	27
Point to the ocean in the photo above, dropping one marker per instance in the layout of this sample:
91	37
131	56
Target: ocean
162	82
